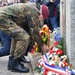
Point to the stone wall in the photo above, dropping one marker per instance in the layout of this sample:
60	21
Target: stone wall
72	38
70	30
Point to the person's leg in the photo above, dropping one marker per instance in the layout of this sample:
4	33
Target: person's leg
58	18
21	39
18	53
6	43
19	45
53	22
22	58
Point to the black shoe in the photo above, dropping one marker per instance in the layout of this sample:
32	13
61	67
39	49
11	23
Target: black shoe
10	62
23	59
19	68
16	66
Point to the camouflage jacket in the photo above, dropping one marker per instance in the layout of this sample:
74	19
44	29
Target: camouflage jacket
26	16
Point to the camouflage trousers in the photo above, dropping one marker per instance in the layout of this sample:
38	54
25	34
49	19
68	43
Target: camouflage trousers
20	38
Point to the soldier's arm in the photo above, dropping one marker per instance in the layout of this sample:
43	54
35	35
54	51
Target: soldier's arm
34	29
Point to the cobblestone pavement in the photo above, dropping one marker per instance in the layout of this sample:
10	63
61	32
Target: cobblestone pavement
4	71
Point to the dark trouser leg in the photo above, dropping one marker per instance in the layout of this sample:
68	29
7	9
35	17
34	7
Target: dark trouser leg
5	44
53	22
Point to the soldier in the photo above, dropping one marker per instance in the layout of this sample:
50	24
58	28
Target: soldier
20	21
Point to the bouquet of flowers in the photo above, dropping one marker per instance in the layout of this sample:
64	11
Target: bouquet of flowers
45	34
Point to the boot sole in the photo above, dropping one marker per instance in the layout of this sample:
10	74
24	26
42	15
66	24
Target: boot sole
19	71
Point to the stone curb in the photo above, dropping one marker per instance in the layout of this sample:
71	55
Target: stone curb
34	59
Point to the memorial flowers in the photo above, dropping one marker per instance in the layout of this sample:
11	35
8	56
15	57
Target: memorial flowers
45	34
55	60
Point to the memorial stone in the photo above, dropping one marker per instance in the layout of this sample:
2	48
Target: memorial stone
70	30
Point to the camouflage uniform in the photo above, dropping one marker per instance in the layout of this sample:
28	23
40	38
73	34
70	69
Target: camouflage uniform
4	0
20	21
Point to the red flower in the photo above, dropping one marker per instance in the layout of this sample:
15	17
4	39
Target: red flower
45	72
65	63
51	52
56	43
51	48
40	33
32	51
44	28
59	52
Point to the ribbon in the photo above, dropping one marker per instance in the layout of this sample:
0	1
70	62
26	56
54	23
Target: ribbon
56	69
45	58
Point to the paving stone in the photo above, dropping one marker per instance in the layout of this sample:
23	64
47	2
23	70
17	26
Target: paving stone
34	60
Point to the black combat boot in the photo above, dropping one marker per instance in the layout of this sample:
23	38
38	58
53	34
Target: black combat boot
16	66
23	59
10	62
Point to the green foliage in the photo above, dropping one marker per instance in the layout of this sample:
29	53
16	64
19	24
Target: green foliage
61	45
37	69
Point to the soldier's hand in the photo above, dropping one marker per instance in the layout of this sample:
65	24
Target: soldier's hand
52	0
45	48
